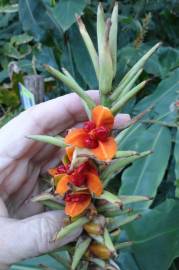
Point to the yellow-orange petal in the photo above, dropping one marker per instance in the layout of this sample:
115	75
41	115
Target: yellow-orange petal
57	178
105	150
62	185
69	152
76	137
74	209
102	116
94	183
53	171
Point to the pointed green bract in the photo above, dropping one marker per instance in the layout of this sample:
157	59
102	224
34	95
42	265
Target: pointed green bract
71	83
133	199
132	72
123	154
117	222
123	100
80	250
86	104
58	141
110	197
128	87
100	27
69	229
108	242
113	37
119	164
89	45
105	67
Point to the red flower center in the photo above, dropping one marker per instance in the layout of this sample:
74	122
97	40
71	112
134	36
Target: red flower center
78	179
76	197
95	134
91	142
89	125
102	133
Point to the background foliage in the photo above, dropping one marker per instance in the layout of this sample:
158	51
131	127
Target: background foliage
34	32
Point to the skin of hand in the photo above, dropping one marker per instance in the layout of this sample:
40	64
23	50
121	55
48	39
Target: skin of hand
26	231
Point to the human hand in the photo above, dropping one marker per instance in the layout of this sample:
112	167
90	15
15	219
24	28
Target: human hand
22	161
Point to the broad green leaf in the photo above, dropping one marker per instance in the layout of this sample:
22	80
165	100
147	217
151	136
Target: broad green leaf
21	39
176	156
42	260
65	11
155	237
38	18
126	261
145	175
163	98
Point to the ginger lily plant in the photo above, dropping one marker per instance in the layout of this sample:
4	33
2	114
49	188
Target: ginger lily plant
92	155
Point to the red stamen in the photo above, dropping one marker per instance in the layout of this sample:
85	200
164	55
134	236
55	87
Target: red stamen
78	179
61	169
91	142
101	133
76	197
83	167
89	125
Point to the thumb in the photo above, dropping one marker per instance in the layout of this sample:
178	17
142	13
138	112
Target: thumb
30	237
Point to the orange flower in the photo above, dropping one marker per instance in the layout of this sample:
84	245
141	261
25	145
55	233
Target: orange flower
84	177
95	134
77	203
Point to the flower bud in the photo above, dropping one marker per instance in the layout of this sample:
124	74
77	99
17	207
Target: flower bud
100	251
92	228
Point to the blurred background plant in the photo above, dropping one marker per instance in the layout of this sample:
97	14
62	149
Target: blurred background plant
37	32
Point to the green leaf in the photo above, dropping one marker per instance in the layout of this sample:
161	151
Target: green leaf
126	261
155	237
58	141
71	228
64	12
80	250
176	156
145	175
38	18
162	98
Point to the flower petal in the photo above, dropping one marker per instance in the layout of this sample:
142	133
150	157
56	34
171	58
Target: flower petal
94	184
74	209
62	185
105	150
53	171
57	178
69	152
102	116
76	137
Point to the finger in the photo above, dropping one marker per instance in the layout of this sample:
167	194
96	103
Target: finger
51	117
22	205
3	209
35	235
